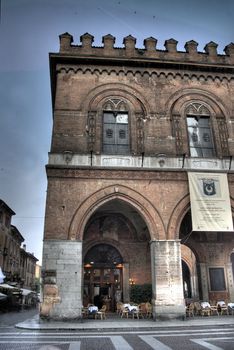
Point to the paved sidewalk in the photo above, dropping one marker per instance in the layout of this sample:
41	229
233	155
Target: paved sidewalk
9	319
116	323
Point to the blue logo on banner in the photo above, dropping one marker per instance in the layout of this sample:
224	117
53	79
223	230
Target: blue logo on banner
209	187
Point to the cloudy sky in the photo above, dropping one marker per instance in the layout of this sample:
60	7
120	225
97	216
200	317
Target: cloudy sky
29	30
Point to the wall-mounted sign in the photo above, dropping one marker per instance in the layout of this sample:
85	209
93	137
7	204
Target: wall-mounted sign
210	202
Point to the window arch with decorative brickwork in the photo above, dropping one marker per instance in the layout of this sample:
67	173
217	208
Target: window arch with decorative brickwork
199	124
129	109
199	128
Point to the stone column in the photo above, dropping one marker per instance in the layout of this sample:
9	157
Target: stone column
204	281
167	282
230	282
62	271
126	297
194	285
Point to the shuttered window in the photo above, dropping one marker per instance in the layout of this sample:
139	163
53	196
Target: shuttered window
115	133
200	137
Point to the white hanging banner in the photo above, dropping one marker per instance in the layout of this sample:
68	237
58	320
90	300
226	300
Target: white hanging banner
210	202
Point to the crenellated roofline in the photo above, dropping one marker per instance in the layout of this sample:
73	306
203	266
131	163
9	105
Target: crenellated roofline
150	51
130	57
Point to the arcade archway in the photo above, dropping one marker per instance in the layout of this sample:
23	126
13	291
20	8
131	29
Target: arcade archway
103	280
186	280
116	254
189	260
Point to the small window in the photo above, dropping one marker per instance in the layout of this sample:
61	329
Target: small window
7	221
217	279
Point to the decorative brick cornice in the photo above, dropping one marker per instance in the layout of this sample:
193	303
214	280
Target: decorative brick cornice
111	174
153	73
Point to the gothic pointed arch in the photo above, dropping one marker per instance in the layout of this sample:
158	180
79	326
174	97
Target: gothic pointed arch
176	218
143	206
178	99
97	94
180	210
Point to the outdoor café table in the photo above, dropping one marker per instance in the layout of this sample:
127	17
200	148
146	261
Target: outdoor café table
131	307
231	307
92	310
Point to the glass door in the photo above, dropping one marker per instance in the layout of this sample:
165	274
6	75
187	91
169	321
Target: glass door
102	286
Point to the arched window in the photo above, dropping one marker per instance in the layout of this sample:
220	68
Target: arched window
200	136
103	255
115	138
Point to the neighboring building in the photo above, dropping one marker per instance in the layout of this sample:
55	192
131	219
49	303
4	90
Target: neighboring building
10	242
27	268
128	126
38	272
17	265
38	278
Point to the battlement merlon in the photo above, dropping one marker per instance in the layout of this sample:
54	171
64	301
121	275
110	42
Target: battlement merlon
150	52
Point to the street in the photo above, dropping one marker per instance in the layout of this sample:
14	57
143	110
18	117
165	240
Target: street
161	338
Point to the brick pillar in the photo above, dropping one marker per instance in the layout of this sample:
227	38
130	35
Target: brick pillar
204	281
194	285
62	270
167	282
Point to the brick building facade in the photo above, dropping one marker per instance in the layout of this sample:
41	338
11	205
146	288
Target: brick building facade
126	129
18	265
10	242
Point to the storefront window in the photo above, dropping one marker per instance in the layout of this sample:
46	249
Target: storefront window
106	275
217	279
96	275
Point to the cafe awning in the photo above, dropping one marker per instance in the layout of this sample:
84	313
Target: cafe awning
3	296
26	292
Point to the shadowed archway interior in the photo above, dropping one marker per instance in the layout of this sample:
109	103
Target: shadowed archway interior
116	251
103	255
